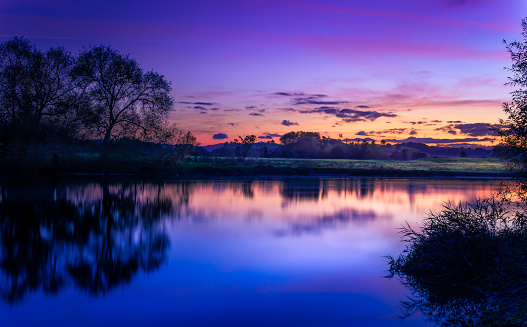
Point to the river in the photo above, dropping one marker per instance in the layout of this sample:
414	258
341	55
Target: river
215	252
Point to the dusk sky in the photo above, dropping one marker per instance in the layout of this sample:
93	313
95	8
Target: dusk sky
380	69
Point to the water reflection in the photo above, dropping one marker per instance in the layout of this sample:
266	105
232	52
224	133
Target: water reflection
96	236
317	224
199	248
302	190
451	305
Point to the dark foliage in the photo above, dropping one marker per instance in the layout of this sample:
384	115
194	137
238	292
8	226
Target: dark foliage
513	137
314	146
310	145
243	145
39	94
52	103
467	265
122	99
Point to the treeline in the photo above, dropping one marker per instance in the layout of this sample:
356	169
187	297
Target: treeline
312	145
437	151
54	103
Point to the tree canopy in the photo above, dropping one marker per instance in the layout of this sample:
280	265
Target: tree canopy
123	100
513	136
36	88
293	137
55	97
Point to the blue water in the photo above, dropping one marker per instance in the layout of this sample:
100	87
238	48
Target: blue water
249	252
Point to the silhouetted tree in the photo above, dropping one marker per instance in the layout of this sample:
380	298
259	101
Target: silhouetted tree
170	144
124	101
244	144
313	145
293	137
338	152
514	136
36	88
359	151
266	152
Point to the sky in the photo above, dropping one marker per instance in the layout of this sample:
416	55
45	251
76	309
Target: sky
408	70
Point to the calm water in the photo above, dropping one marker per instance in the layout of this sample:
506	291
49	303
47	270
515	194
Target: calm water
280	252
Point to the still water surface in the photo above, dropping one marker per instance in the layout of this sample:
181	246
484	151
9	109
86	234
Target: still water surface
249	252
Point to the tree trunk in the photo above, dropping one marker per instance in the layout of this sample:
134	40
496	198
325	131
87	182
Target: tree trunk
106	143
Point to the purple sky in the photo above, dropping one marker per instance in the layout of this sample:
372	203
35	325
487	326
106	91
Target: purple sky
381	69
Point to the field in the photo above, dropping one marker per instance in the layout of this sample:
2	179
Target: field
130	163
447	167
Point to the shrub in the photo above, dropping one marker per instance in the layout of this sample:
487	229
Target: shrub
466	264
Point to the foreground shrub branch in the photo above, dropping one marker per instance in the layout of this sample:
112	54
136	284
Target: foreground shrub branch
466	264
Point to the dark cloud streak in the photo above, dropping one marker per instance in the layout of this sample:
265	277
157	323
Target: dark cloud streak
440	141
269	136
471	129
349	115
288	123
220	136
197	103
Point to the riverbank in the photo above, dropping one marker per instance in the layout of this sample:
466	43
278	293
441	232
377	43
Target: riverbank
229	166
427	167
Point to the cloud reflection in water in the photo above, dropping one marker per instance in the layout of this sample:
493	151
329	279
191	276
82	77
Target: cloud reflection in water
171	245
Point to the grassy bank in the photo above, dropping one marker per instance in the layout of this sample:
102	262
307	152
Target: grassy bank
427	167
92	163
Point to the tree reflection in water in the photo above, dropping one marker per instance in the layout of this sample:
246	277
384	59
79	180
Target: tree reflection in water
448	305
466	265
96	236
